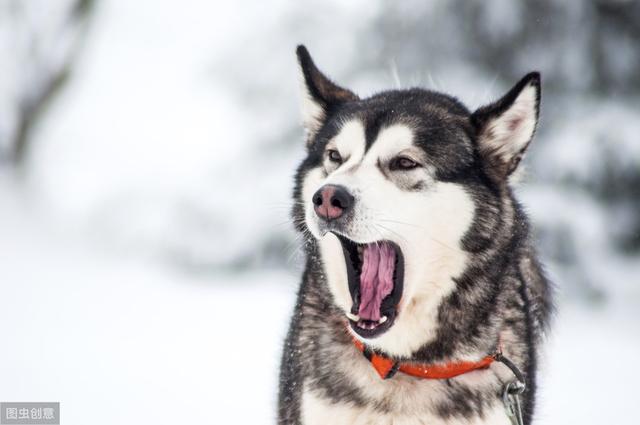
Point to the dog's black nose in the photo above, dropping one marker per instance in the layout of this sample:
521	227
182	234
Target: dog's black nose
331	201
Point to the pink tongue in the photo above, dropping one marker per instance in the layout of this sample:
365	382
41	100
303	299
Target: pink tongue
376	279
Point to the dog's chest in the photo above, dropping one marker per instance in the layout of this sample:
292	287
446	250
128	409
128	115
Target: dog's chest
317	410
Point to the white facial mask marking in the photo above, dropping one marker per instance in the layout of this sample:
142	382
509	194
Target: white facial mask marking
426	225
350	142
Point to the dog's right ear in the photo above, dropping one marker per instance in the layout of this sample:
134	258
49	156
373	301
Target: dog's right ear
319	94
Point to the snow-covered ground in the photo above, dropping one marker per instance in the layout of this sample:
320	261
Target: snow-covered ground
123	342
119	340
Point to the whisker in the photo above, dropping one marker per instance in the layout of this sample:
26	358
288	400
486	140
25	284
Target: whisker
391	231
400	222
423	229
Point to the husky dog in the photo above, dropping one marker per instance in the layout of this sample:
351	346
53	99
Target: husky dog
420	269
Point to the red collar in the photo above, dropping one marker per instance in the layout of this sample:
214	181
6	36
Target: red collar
386	368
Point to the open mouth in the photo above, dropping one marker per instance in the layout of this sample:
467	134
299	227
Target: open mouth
376	273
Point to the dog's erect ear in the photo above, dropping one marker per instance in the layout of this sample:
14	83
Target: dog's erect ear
506	126
319	93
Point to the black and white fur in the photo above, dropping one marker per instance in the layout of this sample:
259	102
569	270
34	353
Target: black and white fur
471	277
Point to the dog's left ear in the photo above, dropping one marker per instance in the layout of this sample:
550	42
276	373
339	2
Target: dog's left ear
506	126
320	94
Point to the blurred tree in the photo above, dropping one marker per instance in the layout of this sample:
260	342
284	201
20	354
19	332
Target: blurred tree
589	46
44	39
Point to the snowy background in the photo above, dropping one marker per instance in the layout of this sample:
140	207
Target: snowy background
146	156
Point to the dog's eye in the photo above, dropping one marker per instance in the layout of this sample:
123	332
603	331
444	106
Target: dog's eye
402	163
334	156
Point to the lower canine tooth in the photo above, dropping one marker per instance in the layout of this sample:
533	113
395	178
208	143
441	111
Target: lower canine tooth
382	320
353	317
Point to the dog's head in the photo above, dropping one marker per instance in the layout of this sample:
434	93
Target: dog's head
399	190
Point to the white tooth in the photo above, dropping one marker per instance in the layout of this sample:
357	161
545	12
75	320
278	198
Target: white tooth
382	320
353	317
